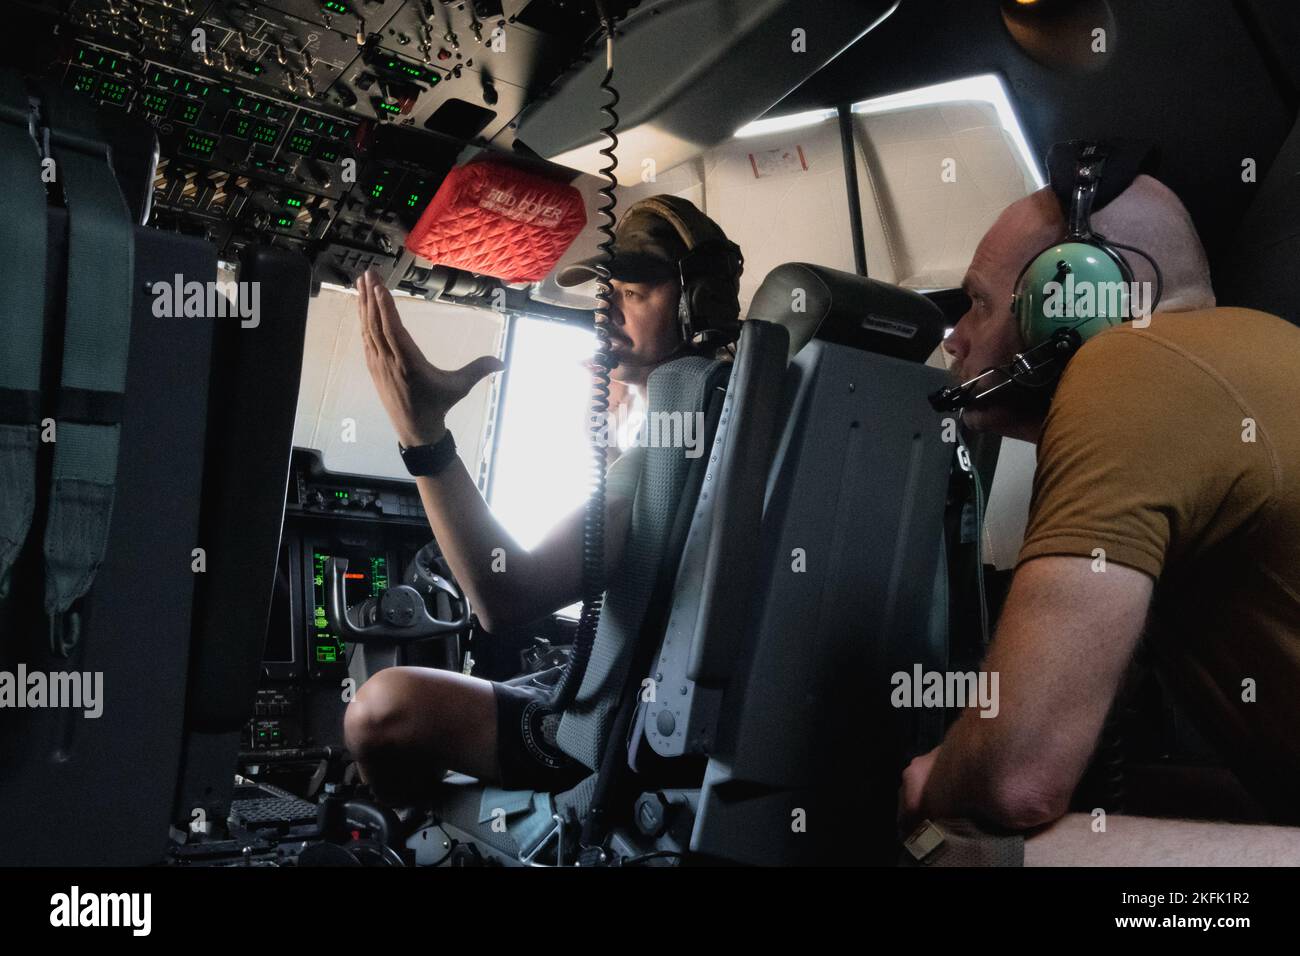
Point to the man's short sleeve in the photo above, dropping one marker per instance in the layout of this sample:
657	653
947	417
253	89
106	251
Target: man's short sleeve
1141	459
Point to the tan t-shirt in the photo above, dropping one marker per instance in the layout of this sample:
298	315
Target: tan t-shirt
1175	450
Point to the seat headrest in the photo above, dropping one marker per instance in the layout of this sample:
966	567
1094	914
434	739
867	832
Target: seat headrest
816	302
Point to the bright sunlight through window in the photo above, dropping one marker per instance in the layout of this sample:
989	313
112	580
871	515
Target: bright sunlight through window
542	469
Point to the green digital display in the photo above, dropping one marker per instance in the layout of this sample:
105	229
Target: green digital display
85	83
237	124
413	71
413	199
329	155
366	576
195	88
284	222
189	112
389	107
335	6
299	143
293	202
266	133
111	91
156	103
199	144
377	190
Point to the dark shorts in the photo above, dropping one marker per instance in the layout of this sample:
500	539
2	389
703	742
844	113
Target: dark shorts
526	750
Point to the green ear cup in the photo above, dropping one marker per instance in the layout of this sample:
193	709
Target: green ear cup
1073	285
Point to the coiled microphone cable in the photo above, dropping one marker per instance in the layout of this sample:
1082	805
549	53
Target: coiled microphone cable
593	525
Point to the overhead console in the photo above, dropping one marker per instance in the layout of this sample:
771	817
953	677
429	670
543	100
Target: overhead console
322	125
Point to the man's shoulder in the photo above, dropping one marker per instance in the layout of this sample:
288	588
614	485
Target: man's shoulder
1174	356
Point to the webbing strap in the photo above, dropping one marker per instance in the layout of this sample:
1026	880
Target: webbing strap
101	264
22	277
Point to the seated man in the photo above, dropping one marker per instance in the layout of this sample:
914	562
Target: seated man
1167	491
408	725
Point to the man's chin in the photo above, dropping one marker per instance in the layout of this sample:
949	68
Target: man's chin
981	419
1017	418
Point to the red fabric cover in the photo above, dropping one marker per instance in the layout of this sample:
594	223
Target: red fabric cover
494	219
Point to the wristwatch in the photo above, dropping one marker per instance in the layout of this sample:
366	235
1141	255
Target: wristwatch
429	460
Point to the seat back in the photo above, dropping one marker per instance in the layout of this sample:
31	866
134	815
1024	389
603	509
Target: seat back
254	400
850	591
848	584
662	504
1262	273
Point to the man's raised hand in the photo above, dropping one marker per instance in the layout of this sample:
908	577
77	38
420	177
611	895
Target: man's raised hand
416	394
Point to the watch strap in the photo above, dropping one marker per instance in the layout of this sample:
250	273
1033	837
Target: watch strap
429	460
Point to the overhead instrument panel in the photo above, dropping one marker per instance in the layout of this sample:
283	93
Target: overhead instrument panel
325	125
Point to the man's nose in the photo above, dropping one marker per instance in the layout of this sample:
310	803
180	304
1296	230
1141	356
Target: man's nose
955	344
615	312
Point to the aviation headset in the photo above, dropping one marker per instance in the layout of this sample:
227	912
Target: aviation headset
708	310
1043	299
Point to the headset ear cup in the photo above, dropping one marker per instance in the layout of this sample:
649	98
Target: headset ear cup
685	315
1072	285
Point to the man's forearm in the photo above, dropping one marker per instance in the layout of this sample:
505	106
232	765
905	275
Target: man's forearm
1077	839
486	561
955	787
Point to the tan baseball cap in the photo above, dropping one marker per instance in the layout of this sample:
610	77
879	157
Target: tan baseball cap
647	246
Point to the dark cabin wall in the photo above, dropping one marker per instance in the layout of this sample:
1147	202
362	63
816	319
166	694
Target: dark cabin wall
1185	73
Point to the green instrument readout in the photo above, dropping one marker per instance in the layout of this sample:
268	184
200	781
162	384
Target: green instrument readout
237	124
189	112
366	576
111	91
156	103
301	144
412	70
266	133
199	144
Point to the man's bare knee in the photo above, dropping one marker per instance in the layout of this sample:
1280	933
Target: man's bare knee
374	720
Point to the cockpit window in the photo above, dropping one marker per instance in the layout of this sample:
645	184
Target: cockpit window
541	467
339	411
936	166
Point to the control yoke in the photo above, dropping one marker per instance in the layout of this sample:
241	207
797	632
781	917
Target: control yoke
400	615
